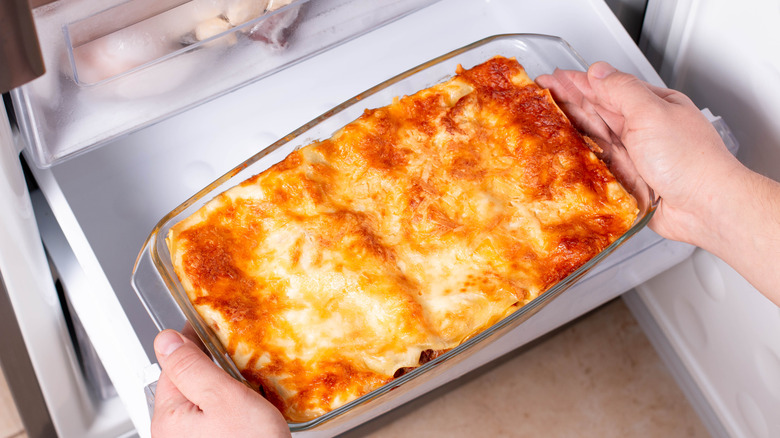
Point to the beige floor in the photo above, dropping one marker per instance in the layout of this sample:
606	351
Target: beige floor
598	377
10	424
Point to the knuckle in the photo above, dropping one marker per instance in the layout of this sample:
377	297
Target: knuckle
214	392
182	363
621	80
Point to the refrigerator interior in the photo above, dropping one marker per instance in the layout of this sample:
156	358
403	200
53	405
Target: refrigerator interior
104	202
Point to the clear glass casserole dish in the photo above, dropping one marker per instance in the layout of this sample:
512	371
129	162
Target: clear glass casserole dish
158	287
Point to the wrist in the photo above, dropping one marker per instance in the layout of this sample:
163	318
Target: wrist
734	215
744	230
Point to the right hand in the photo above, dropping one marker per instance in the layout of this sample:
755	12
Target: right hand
673	146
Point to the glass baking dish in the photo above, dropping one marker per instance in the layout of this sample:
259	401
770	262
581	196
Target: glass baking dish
158	286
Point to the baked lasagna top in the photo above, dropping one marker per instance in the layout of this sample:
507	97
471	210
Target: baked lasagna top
410	230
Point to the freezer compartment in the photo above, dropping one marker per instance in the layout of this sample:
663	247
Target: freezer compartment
112	69
135	35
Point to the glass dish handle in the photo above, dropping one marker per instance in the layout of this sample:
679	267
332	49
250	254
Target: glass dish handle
151	375
148	285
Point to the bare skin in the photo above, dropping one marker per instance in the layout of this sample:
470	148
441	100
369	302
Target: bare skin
195	398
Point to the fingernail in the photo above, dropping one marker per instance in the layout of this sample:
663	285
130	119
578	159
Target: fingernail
601	70
167	342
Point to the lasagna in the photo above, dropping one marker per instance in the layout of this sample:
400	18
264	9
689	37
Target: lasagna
410	230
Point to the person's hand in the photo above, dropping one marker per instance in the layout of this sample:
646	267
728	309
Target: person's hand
195	398
708	198
673	146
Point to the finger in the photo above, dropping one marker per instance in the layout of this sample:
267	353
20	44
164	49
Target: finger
667	94
622	93
672	96
572	92
190	370
566	86
168	398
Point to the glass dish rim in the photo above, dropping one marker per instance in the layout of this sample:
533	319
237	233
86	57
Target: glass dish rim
526	311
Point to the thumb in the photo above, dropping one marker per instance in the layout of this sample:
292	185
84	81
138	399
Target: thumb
195	376
621	94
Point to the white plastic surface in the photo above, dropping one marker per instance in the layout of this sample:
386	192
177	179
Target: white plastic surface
109	199
109	417
31	291
726	335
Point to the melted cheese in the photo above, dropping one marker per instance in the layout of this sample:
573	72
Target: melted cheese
410	230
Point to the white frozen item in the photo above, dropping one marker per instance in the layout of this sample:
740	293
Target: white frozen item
241	11
277	28
213	27
127	37
278	4
113	55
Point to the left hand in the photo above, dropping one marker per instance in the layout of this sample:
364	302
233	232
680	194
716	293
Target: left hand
195	398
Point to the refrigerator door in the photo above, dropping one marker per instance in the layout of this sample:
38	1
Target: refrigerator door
726	56
36	309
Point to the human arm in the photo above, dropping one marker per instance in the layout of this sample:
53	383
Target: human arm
195	398
708	198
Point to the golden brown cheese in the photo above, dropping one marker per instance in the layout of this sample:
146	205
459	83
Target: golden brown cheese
410	230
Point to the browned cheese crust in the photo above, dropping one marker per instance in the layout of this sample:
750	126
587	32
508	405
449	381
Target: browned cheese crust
410	230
